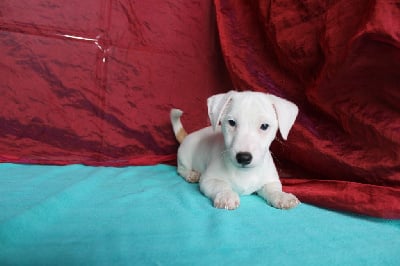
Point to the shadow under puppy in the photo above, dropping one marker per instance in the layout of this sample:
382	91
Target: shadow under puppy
232	157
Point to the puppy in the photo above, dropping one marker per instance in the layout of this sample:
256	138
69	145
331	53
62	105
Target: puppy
232	157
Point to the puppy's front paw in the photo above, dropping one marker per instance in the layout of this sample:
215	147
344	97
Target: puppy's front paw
227	199
283	200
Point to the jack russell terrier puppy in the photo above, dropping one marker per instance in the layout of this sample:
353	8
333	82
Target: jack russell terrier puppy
232	157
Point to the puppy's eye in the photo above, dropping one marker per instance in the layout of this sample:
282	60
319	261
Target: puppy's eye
232	122
264	127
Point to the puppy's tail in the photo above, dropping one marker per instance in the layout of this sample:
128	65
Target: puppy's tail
180	132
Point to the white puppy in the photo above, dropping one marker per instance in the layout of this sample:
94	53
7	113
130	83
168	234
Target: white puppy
232	157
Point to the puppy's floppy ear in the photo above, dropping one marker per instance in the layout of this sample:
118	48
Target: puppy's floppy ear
216	107
286	113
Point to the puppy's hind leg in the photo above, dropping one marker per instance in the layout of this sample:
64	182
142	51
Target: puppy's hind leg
188	174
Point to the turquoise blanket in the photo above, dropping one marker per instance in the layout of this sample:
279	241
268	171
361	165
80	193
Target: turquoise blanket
80	215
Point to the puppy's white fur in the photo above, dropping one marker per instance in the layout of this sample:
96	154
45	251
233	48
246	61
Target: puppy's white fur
232	157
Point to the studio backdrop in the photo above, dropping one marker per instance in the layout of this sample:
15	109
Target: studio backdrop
92	82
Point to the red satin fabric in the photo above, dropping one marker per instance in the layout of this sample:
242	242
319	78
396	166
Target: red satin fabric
92	82
340	62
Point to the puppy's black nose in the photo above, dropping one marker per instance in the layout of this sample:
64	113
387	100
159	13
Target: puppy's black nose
244	158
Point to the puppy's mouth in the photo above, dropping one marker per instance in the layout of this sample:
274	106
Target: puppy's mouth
241	166
245	166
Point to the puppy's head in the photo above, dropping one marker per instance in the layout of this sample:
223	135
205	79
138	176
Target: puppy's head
249	123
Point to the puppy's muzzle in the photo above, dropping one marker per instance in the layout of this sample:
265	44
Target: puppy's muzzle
244	158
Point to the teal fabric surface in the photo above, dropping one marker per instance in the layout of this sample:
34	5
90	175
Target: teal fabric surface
70	215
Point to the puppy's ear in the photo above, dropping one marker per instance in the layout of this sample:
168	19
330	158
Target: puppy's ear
286	113
216	107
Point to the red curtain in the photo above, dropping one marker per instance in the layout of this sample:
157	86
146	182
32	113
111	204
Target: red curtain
340	62
92	82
